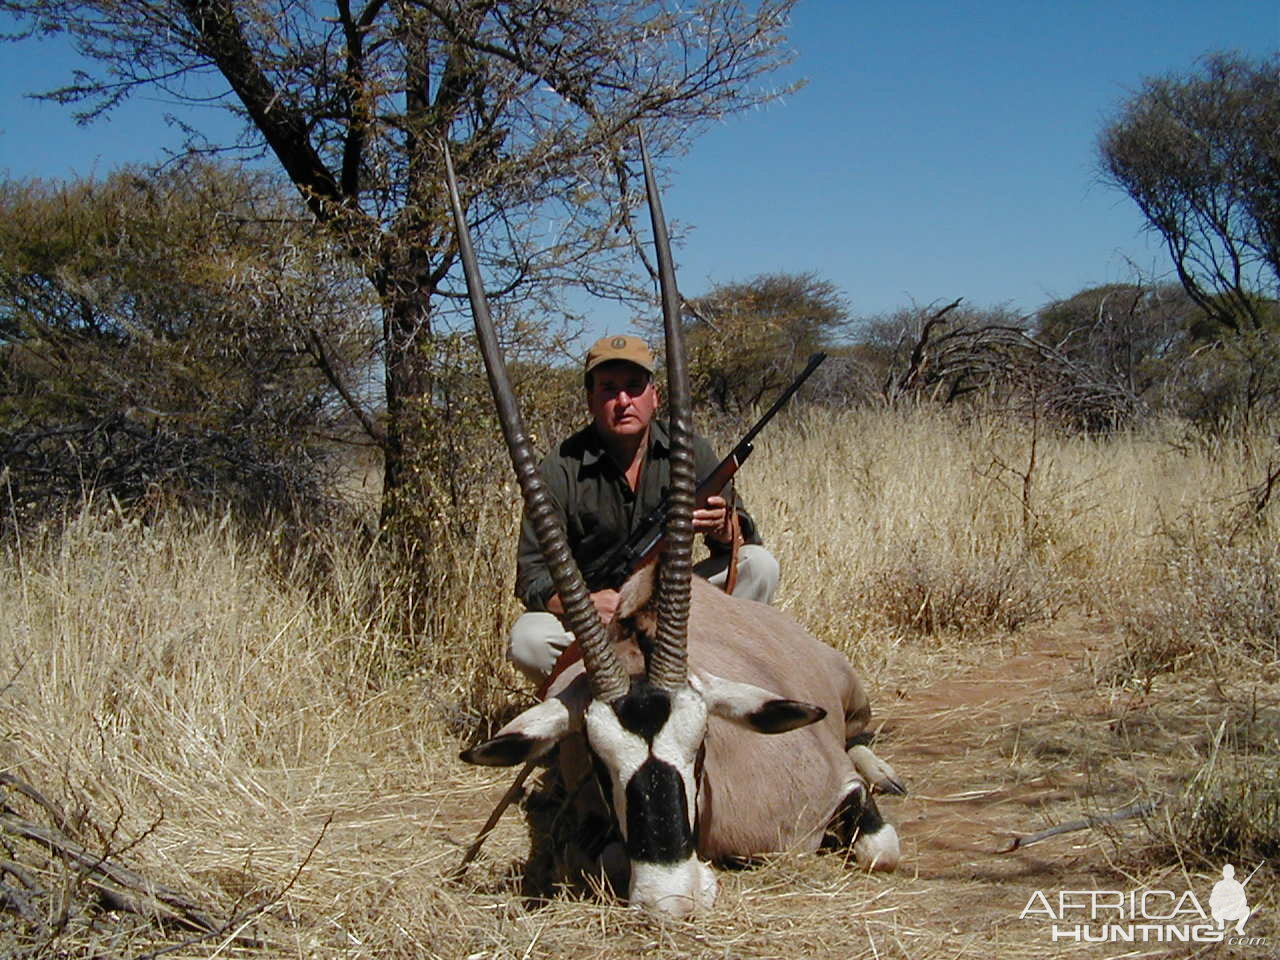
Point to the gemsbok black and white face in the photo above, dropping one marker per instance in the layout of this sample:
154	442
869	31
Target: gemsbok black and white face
647	745
649	741
645	728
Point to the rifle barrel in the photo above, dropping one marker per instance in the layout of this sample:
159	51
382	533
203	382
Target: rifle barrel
814	362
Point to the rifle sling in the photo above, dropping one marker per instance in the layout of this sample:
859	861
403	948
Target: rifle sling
568	657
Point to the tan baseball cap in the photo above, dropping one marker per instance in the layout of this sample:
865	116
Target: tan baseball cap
631	349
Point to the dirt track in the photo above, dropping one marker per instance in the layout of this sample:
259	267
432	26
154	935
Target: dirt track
956	741
1009	748
956	736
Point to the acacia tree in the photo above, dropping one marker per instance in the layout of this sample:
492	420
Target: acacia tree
1133	335
1200	156
748	340
537	100
166	330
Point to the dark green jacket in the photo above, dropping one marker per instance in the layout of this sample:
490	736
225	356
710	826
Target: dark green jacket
598	508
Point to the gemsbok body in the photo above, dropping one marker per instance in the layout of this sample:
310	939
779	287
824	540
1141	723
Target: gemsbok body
698	728
772	754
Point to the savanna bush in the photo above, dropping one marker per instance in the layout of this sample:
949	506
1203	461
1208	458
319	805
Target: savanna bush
1233	812
1217	603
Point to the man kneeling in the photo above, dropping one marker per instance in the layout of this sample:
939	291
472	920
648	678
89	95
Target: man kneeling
604	480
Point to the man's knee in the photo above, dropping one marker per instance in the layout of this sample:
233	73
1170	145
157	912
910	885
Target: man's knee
536	642
758	574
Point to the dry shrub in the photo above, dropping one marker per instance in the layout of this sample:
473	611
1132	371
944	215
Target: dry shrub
940	596
1230	811
1208	751
1206	637
1218	604
1220	783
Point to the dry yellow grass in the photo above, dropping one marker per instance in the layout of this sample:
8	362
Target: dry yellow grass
257	738
893	521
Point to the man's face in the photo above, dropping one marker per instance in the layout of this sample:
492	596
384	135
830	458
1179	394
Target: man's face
622	400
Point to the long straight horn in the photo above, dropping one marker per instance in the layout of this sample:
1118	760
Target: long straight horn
607	676
669	662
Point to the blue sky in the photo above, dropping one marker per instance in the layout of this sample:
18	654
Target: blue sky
939	150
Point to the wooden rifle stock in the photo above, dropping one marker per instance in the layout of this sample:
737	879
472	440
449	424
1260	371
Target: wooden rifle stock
612	570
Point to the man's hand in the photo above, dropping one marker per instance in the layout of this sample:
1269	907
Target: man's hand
605	601
714	520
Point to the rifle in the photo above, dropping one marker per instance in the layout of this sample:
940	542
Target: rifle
612	569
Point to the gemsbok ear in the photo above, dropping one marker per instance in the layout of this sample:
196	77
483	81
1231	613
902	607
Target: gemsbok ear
753	707
525	738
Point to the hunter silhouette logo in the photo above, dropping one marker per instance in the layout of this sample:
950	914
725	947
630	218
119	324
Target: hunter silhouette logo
1147	916
1228	900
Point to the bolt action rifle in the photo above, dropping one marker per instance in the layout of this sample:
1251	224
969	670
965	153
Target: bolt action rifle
612	569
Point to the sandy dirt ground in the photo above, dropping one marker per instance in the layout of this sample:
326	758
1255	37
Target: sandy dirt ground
957	741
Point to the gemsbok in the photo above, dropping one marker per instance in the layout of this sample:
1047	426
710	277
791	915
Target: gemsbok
659	726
